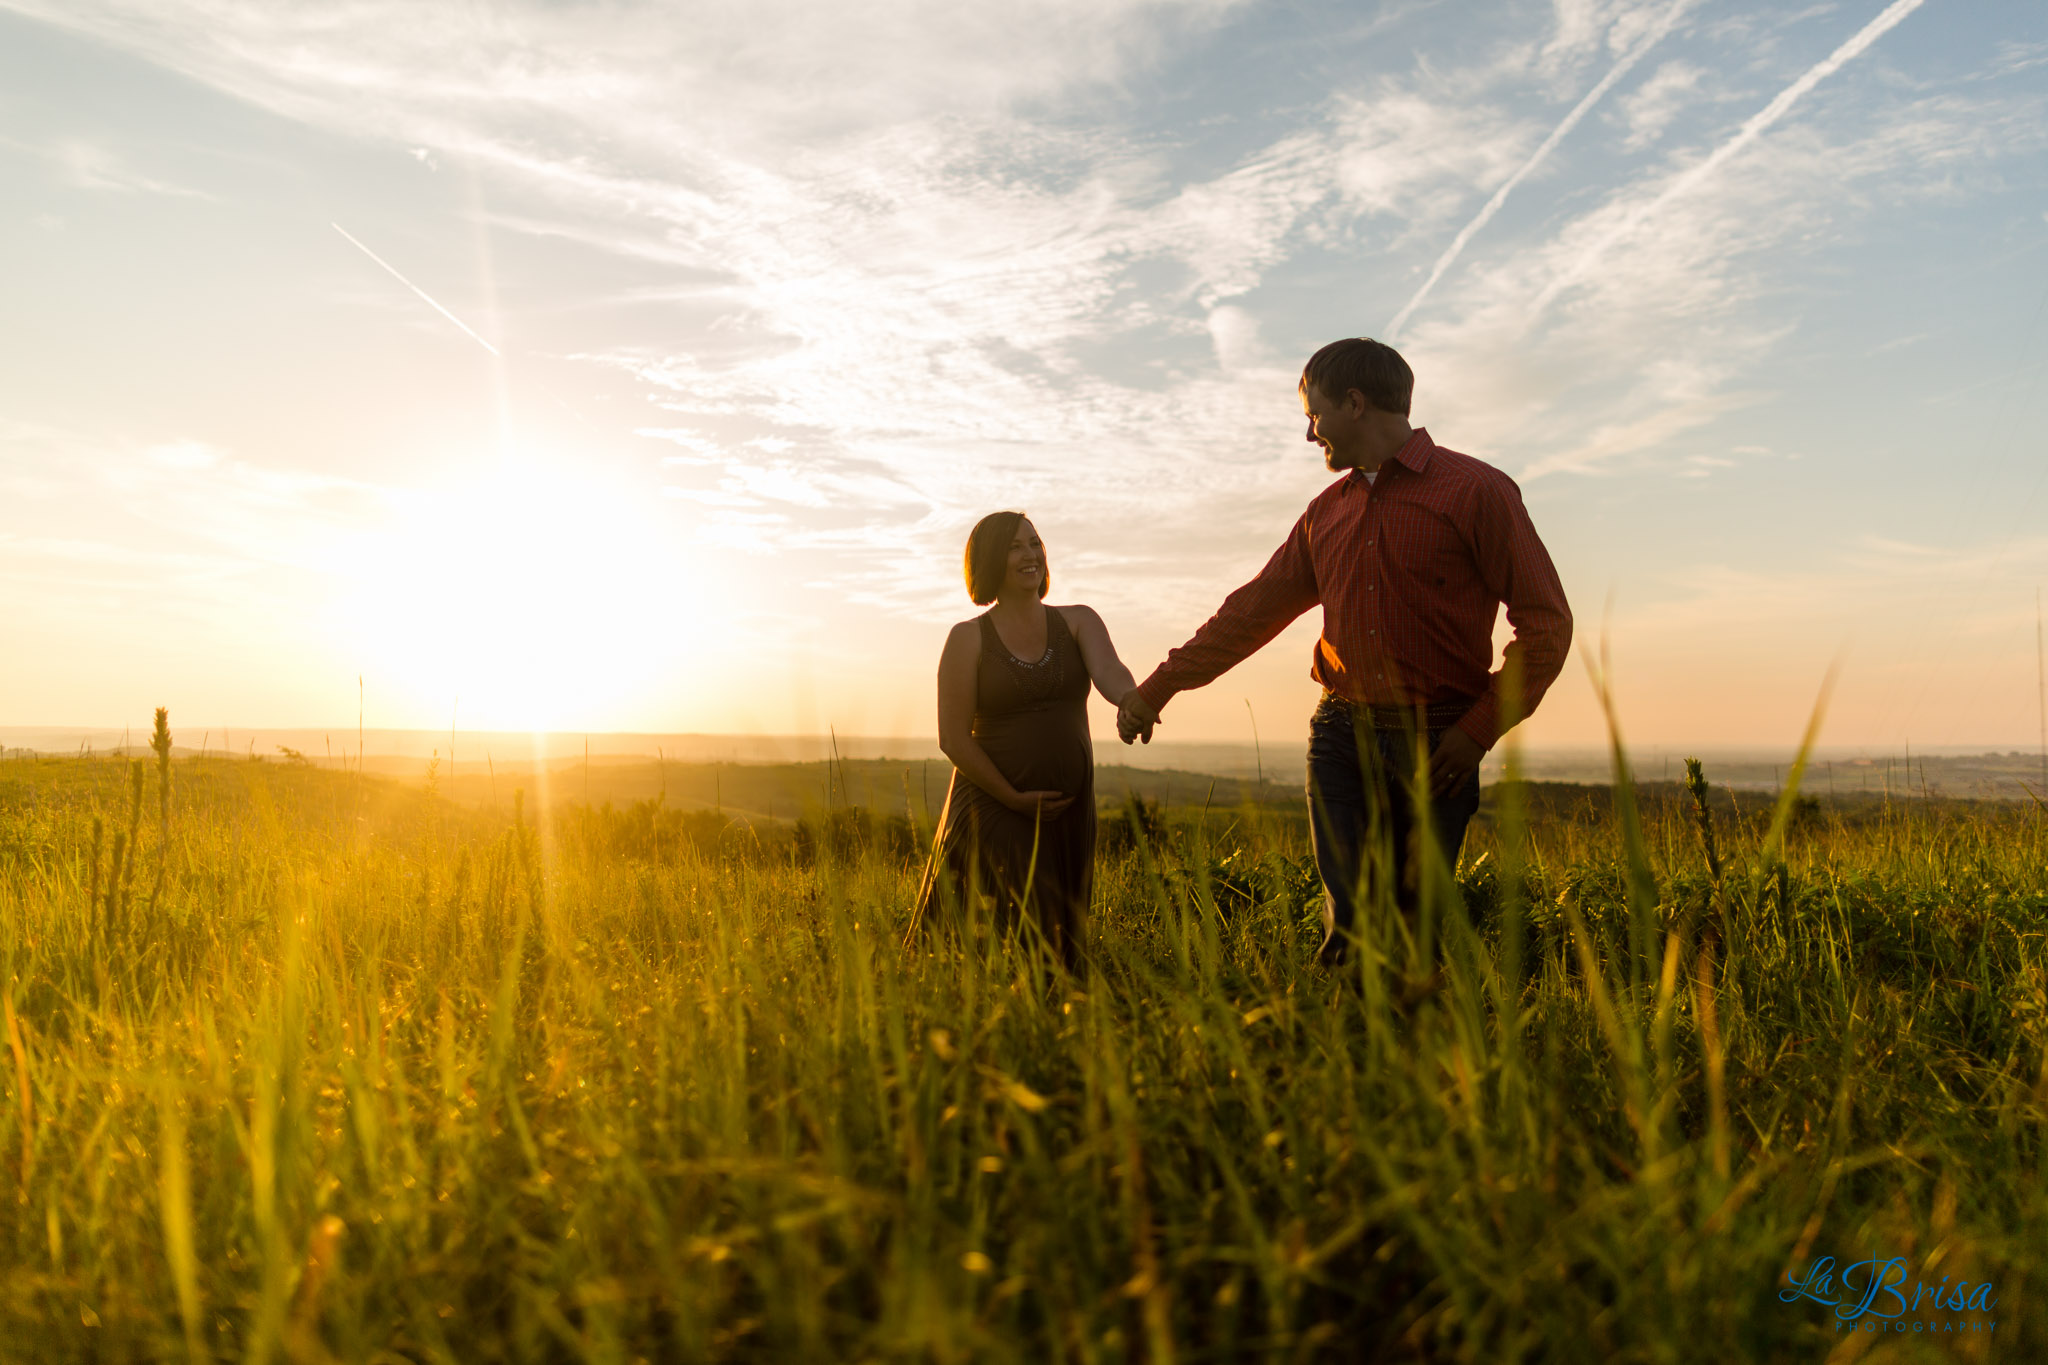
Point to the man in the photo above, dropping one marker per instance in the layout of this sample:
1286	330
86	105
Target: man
1411	555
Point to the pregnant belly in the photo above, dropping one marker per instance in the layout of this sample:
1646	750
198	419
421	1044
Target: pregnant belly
1040	752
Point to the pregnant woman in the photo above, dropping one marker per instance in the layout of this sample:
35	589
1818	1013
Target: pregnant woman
1018	829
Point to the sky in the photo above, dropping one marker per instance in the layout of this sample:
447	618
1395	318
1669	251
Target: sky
630	366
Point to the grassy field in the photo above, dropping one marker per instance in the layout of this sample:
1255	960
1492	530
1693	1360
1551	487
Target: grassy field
301	1066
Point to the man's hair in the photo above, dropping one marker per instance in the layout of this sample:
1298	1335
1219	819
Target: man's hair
987	560
1374	368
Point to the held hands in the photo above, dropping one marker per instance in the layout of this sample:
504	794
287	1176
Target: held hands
1135	718
1452	761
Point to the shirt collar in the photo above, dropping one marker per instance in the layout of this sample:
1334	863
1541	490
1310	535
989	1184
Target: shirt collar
1414	453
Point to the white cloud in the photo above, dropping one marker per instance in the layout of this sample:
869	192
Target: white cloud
710	497
82	164
188	455
702	449
917	286
1655	30
1633	215
1664	300
1584	30
175	530
1235	334
931	295
2014	57
1703	466
89	166
755	76
1648	110
1420	156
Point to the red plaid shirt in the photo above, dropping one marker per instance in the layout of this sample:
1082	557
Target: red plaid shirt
1410	570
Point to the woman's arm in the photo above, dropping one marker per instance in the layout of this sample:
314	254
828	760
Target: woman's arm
1111	678
958	666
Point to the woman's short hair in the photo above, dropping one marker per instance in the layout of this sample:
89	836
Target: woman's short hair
987	560
1374	368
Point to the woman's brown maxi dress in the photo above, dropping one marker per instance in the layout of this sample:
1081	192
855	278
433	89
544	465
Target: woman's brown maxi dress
1032	721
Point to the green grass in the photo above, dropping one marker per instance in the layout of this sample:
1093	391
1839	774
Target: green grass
348	1072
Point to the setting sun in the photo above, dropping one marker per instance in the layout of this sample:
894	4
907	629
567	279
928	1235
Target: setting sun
535	595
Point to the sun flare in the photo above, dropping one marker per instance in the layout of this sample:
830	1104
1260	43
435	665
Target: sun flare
539	595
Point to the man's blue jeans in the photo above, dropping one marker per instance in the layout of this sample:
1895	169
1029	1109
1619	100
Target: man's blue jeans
1362	817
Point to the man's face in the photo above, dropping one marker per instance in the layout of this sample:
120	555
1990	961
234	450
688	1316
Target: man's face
1333	425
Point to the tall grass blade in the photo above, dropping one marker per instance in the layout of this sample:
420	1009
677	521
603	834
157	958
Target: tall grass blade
175	1212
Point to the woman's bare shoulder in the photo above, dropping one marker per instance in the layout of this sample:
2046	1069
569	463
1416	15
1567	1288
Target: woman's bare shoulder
1079	614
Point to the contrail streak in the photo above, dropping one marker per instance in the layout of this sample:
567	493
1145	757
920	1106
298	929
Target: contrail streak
1536	158
1758	123
428	298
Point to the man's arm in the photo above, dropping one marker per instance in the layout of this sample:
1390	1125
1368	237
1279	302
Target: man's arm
1248	618
1517	569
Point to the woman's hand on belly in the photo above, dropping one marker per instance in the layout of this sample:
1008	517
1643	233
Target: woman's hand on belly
1043	804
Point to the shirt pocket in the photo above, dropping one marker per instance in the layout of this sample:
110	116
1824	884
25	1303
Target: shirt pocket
1425	547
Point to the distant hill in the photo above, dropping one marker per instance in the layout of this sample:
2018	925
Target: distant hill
1162	766
784	791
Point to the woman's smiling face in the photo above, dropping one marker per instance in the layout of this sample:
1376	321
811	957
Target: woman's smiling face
1026	569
